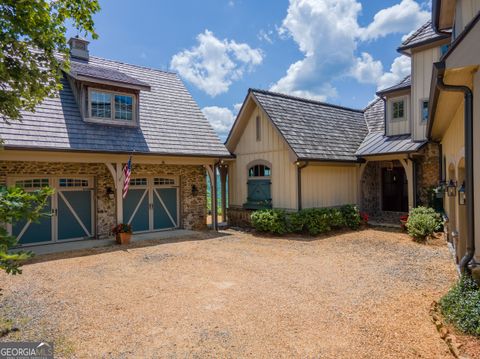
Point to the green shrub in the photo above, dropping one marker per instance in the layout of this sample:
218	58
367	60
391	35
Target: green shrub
461	306
270	220
317	220
351	216
337	219
296	222
423	222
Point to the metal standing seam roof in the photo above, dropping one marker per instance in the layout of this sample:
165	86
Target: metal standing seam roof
376	143
170	121
425	34
315	130
406	83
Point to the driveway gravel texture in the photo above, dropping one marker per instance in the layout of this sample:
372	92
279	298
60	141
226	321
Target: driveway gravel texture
363	294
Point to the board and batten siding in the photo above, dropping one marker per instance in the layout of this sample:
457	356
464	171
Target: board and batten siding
465	11
327	186
422	76
271	148
398	127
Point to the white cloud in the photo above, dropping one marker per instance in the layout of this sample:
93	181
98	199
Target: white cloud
367	70
400	68
214	64
237	107
221	119
399	18
327	32
264	35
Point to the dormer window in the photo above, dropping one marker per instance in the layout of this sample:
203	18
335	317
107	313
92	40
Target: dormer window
398	110
111	107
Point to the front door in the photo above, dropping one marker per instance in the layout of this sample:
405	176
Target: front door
151	204
394	190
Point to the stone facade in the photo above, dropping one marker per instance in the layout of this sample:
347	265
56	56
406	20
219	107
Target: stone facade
427	171
239	217
192	208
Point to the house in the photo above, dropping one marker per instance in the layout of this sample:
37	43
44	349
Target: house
293	153
79	142
455	122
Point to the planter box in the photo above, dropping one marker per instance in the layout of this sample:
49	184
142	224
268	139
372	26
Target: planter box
124	238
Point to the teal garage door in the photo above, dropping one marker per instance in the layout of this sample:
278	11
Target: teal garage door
151	204
70	211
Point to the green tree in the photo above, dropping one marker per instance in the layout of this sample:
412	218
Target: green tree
33	52
34	49
17	204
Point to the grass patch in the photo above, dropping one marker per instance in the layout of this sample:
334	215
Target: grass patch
461	306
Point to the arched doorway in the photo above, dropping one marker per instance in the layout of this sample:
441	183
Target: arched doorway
259	194
462	215
451	204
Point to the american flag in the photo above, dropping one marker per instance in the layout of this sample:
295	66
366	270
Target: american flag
127	171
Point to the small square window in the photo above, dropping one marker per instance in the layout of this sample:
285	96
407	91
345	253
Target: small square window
424	111
398	109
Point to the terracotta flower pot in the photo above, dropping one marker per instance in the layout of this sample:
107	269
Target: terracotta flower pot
124	238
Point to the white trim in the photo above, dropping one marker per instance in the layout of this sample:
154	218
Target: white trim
74	214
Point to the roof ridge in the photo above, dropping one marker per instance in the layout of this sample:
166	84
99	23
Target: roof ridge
303	99
134	65
416	32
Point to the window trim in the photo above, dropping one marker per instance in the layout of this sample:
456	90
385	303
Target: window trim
257	163
422	101
111	120
403	118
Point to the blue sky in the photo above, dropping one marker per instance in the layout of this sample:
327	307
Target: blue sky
339	51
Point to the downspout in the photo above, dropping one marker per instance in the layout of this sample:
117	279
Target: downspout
468	118
414	175
299	183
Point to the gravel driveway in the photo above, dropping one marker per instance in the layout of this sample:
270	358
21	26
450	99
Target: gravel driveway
352	295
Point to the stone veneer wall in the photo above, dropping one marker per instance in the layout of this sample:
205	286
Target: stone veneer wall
192	208
427	171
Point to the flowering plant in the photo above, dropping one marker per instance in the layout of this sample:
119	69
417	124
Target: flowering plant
364	216
122	228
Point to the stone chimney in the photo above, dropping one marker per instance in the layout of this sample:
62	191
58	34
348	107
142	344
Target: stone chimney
78	47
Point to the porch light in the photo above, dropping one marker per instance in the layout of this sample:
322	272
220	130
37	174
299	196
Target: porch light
110	193
452	188
462	198
194	190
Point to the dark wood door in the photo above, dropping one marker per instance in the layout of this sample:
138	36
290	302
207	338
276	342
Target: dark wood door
394	190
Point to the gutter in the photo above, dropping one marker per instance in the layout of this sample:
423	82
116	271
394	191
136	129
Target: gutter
300	167
469	189
436	8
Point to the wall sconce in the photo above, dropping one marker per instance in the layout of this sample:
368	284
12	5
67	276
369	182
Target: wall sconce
110	193
194	190
452	188
462	198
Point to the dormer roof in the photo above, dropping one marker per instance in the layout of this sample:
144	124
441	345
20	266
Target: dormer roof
425	35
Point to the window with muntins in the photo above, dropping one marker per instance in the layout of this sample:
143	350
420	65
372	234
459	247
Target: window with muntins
424	111
398	110
112	106
259	171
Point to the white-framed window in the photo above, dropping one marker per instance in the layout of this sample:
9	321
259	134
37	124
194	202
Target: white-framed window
424	110
138	181
110	106
32	183
398	109
72	182
163	181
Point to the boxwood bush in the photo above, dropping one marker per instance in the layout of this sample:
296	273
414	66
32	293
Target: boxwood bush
313	221
461	306
423	222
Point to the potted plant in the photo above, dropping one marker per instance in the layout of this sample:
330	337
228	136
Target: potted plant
123	233
403	221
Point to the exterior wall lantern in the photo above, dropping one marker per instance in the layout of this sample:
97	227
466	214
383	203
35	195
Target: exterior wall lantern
194	190
452	188
462	198
110	193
